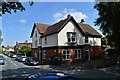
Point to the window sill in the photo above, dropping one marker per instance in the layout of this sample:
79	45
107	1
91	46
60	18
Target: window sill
71	42
65	59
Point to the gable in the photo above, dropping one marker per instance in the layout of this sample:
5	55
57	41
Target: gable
56	28
40	27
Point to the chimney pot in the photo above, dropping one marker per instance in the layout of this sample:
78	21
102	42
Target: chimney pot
82	21
68	16
26	41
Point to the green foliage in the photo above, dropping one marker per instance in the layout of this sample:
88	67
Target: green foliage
109	21
8	7
104	41
25	50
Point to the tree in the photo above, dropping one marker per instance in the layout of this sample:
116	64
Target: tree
104	41
8	7
109	21
25	50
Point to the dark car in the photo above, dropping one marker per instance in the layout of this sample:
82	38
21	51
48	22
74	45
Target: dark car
2	60
52	76
31	61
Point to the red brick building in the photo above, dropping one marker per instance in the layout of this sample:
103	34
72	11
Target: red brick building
71	41
18	46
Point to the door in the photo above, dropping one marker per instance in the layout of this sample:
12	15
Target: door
87	54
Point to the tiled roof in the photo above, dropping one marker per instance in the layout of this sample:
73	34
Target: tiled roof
9	47
87	29
41	28
55	28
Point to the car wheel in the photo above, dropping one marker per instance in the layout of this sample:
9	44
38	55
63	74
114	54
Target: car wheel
3	63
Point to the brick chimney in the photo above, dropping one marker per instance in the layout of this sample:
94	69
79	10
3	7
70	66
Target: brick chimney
26	41
68	16
82	21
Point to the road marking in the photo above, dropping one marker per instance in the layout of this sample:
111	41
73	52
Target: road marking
13	63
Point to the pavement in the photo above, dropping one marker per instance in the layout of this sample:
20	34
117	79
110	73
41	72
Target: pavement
14	70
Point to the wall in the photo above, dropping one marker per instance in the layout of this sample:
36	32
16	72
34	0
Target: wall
35	50
34	38
70	27
62	35
51	40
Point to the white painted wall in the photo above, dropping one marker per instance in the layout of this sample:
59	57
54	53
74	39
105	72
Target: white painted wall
34	38
10	49
60	39
51	40
70	27
62	35
95	41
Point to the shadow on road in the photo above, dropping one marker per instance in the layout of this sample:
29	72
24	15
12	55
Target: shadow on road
87	74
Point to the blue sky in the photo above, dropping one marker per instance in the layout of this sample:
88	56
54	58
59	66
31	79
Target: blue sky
18	26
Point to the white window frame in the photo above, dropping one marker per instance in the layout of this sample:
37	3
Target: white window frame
44	54
45	40
66	54
78	57
71	35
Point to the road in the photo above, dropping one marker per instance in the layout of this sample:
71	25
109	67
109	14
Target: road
14	70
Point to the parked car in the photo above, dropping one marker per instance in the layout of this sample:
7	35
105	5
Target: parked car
9	54
22	58
18	57
2	60
5	53
12	55
31	61
52	76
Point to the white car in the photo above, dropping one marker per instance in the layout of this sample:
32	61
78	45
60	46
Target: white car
22	58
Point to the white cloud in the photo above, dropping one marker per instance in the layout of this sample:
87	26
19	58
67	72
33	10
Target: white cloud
23	21
73	12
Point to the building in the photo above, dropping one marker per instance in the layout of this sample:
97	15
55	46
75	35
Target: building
67	39
8	48
18	46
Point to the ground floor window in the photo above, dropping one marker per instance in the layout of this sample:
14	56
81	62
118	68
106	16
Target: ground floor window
77	53
44	54
66	54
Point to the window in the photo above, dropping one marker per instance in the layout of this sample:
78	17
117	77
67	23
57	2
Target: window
77	53
44	54
36	43
35	33
66	54
45	40
39	41
86	39
71	37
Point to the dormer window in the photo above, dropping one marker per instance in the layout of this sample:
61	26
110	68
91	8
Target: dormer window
86	39
71	37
